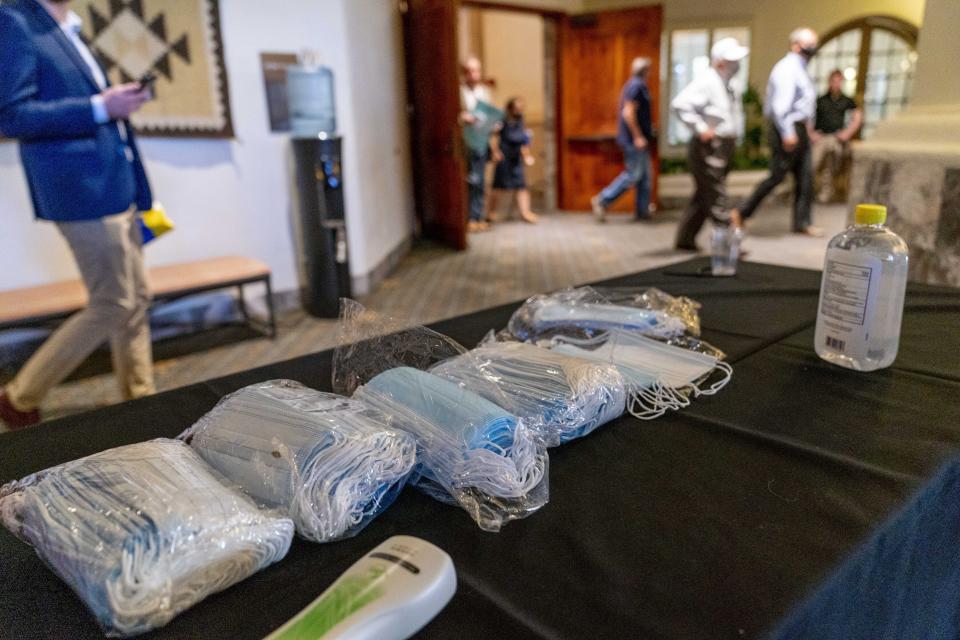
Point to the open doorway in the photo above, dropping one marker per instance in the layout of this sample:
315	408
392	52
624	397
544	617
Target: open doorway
518	52
570	69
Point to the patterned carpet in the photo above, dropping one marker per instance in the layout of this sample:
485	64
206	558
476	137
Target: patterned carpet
510	262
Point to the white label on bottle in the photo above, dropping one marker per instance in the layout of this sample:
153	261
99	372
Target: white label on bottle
847	302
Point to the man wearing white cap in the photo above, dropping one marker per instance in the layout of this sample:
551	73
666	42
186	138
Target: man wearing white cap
712	106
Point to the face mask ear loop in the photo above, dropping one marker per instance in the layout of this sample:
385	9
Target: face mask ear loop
646	404
652	402
727	372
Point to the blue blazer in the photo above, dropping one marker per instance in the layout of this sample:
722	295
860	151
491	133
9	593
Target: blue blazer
76	169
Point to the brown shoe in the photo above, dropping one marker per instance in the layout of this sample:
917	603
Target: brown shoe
812	231
736	218
13	417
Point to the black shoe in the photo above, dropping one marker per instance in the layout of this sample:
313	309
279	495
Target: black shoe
686	247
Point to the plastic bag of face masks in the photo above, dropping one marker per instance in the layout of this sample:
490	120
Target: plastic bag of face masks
586	312
659	376
331	463
470	450
562	397
142	532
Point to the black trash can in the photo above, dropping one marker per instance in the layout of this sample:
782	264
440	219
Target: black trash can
324	263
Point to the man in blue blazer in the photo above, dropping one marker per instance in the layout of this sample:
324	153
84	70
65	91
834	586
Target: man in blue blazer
85	175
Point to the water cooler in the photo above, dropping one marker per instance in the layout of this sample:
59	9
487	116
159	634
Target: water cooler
317	150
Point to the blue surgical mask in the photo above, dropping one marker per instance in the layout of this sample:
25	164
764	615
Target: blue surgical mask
731	68
470	451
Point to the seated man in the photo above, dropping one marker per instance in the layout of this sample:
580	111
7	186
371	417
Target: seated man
831	136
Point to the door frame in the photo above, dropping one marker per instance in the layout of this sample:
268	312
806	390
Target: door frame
557	17
453	236
518	8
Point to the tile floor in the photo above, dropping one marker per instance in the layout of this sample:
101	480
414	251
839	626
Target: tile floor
510	262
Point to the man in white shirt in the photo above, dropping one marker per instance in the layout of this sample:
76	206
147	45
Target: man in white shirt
790	106
712	107
472	92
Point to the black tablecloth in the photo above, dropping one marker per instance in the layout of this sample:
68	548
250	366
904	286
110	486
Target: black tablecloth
712	522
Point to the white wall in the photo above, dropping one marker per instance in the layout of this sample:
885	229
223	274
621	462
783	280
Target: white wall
513	55
233	196
379	178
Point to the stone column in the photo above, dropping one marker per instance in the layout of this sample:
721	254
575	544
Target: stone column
911	163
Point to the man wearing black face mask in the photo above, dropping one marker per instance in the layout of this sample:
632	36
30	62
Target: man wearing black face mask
790	106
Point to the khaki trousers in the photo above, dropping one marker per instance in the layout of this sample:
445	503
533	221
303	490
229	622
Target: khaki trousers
829	159
109	254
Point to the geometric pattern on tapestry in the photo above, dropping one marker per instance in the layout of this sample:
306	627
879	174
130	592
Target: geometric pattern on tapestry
179	41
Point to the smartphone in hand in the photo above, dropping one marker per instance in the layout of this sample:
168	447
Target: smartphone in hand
146	81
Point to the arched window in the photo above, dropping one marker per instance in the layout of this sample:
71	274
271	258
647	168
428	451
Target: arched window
877	55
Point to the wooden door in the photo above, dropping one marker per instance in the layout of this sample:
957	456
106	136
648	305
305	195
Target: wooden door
595	55
430	44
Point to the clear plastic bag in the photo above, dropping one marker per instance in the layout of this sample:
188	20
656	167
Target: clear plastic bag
588	311
142	532
331	463
660	376
369	343
560	396
470	451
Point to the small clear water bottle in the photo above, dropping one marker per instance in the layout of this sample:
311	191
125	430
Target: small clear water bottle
861	294
725	250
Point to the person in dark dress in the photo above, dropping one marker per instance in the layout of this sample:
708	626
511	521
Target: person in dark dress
512	154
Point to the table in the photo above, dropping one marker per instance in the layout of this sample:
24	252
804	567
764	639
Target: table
712	522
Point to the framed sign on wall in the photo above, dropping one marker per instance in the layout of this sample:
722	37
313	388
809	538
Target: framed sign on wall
179	41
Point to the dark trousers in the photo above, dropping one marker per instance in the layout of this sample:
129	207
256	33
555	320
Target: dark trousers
709	164
800	163
476	189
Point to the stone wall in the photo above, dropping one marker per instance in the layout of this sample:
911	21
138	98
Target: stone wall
922	195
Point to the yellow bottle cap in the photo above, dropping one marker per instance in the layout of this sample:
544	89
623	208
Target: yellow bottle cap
870	214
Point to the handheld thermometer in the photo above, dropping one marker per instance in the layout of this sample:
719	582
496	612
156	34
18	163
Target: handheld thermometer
389	594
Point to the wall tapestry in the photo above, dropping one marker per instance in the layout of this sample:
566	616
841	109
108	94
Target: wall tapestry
179	41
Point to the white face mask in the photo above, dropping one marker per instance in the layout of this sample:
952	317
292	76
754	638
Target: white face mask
658	374
730	69
648	359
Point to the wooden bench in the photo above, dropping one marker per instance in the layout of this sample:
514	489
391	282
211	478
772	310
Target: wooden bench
34	305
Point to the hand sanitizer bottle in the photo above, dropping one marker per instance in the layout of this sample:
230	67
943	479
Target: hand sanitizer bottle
861	294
